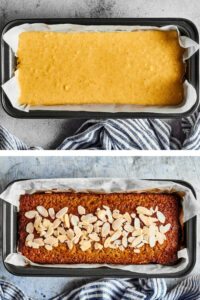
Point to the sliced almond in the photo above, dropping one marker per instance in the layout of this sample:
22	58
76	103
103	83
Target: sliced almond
117	215
56	223
74	220
160	237
166	228
51	213
107	242
98	246
31	214
89	228
124	241
109	214
148	221
62	238
94	237
85	245
70	234
39	241
131	239
137	241
89	218
160	216
61	212
117	242
48	247
42	211
137	223
127	217
76	240
101	214
70	245
61	230
30	237
117	224
66	221
133	215
81	210
140	245
121	248
115	235
105	229
128	227
51	241
46	223
29	227
35	245
136	250
37	222
152	241
49	232
137	232
143	210
77	231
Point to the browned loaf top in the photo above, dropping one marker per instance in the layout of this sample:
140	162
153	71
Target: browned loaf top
165	253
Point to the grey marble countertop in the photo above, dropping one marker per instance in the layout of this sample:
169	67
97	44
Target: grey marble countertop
50	133
11	168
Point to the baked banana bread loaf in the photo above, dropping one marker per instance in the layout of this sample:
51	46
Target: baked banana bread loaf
117	228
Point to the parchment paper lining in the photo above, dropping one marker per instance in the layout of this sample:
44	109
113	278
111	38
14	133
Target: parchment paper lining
11	86
105	185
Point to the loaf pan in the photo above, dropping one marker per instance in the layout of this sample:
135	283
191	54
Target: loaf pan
8	65
9	245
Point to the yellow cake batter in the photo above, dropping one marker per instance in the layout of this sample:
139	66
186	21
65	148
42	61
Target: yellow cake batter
141	67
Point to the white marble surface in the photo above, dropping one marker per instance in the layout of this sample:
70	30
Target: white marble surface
11	168
50	133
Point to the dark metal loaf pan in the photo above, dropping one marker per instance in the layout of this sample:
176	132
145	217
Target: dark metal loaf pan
9	238
8	65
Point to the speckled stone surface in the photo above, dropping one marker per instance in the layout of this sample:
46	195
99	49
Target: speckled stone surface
50	133
11	168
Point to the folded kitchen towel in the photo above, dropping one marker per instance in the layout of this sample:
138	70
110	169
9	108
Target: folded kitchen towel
116	289
121	134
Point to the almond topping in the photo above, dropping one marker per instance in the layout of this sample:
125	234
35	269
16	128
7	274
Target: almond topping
48	247
143	210
137	223
66	221
127	217
56	223
29	227
70	234
74	220
81	210
62	238
117	224
121	248
70	245
46	223
42	211
94	237
137	241
39	241
117	215
61	212
105	229
107	242
128	227
124	241
101	214
31	214
98	246
160	217
51	213
115	235
148	221
164	229
51	241
136	250
152	241
85	245
30	237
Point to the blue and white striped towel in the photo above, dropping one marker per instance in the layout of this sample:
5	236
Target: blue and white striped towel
121	134
116	289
